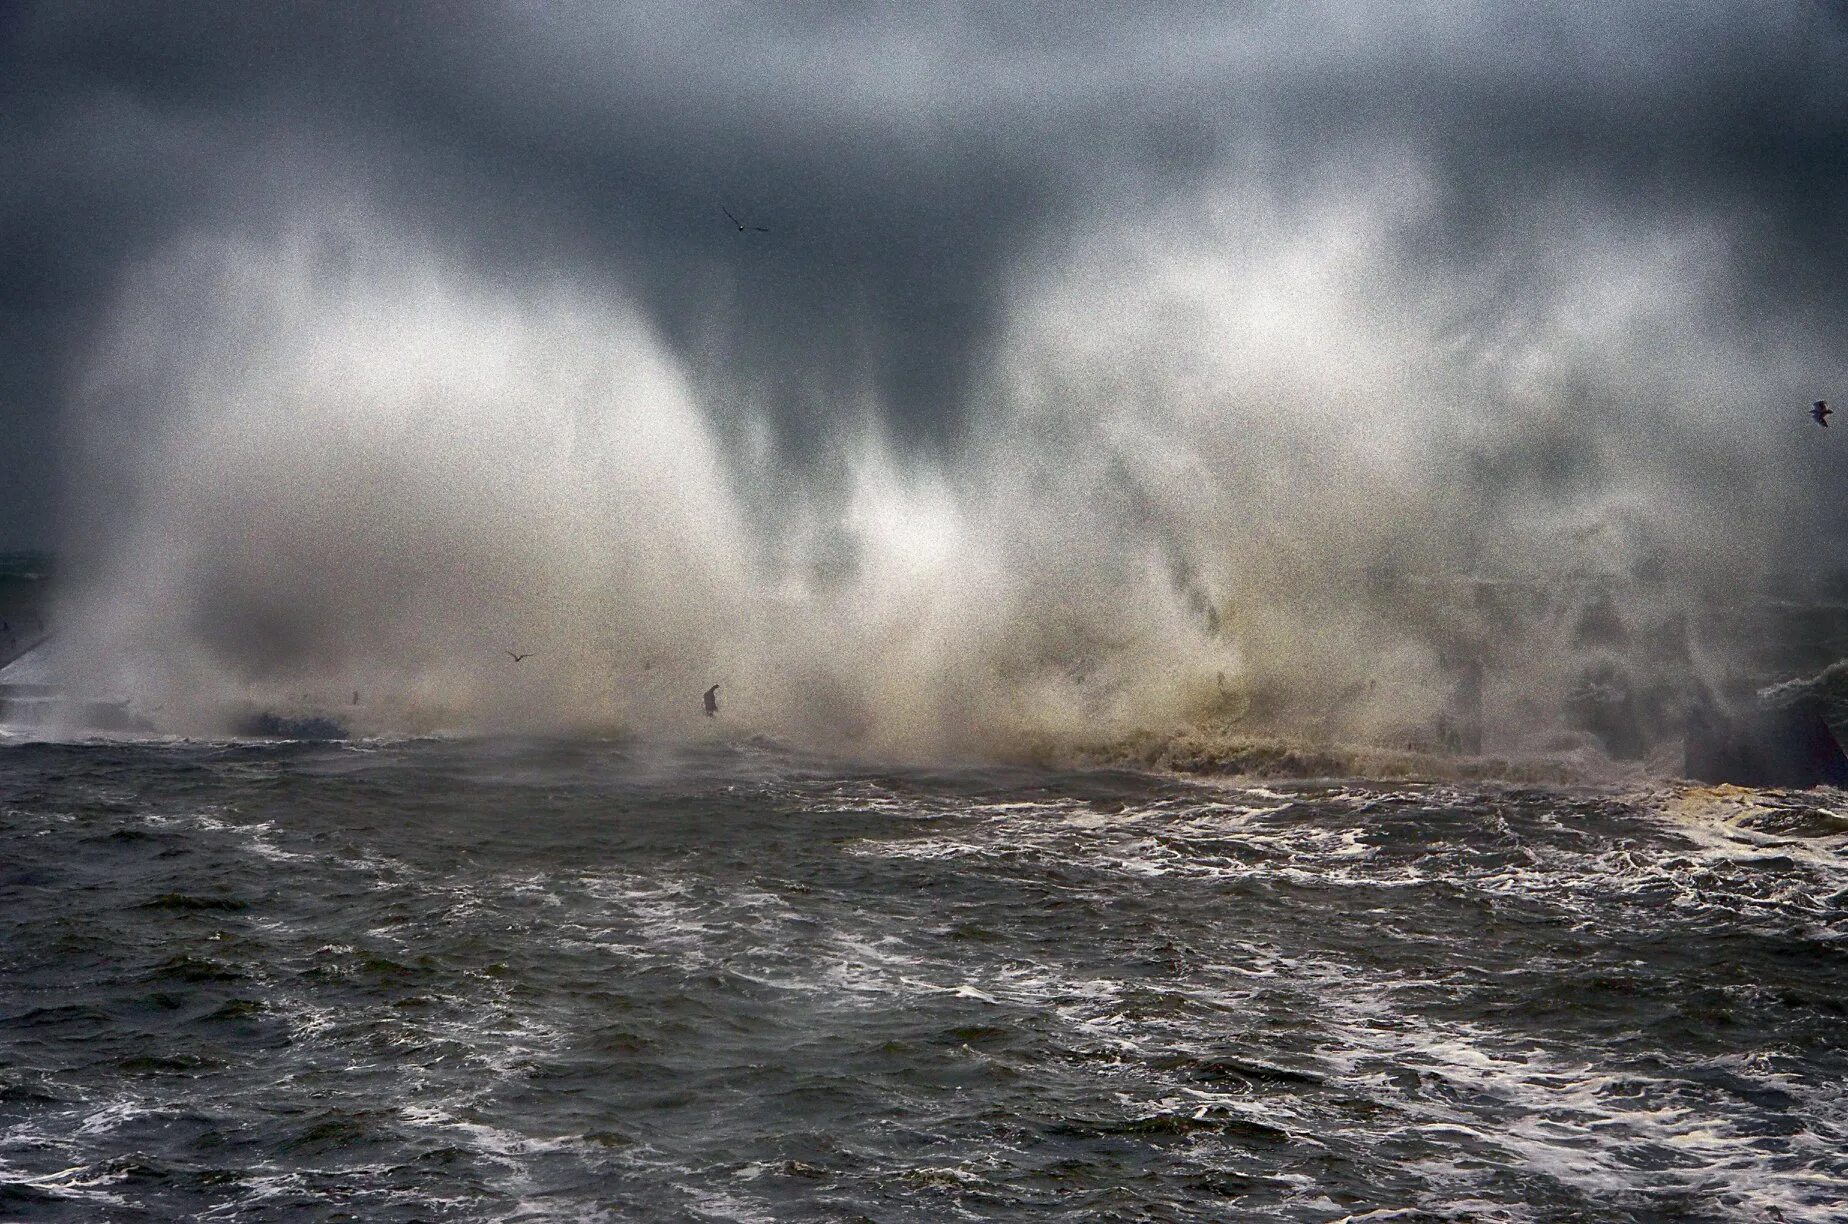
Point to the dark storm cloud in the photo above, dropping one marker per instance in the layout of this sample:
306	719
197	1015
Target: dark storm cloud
906	160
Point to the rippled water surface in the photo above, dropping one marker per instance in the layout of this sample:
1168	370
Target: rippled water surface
528	981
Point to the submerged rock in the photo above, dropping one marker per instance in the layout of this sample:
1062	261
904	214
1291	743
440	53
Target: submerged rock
1785	737
270	725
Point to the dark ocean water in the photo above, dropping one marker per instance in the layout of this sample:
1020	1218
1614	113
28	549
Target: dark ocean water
467	980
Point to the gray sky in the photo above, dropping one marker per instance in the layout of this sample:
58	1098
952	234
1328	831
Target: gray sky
914	163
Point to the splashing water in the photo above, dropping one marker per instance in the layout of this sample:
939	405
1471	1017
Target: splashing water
340	462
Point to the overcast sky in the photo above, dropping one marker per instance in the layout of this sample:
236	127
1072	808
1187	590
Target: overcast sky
913	163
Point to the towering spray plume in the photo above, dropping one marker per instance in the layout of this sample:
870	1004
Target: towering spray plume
371	470
1201	479
1259	363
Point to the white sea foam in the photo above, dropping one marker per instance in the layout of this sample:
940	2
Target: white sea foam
1604	1132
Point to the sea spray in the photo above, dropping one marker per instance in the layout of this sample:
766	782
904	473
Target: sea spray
1202	488
348	465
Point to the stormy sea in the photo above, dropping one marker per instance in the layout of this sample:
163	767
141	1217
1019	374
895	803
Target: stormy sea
910	613
506	978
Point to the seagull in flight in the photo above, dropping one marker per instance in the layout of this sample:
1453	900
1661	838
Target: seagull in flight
1821	412
742	227
517	657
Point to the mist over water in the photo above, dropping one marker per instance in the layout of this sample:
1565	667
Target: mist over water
1256	366
1204	476
1216	530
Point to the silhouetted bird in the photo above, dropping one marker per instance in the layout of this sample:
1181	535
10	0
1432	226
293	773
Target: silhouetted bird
516	658
712	701
742	227
1821	413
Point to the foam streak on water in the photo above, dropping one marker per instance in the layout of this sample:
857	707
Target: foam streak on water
536	981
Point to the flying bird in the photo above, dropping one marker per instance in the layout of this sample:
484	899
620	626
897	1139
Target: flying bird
517	657
742	227
712	701
1821	413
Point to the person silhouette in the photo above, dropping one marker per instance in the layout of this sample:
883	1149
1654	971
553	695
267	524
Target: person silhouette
712	701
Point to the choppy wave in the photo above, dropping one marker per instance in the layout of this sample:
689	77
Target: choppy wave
530	980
